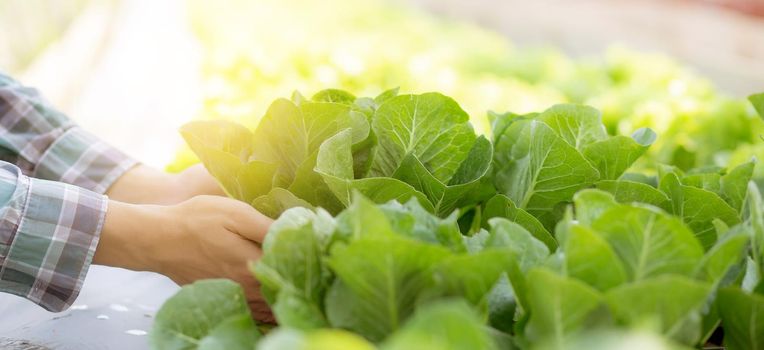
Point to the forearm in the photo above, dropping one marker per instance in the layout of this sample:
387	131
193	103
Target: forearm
143	184
126	236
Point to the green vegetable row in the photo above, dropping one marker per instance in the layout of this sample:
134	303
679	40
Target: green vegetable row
399	228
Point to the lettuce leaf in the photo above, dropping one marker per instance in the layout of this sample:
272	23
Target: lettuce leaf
209	314
541	160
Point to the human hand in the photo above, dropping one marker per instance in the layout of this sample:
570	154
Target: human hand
204	237
146	185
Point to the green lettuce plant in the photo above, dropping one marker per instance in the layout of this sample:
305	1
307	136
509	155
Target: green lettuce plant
563	245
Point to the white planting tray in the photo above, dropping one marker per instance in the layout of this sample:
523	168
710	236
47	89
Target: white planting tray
114	311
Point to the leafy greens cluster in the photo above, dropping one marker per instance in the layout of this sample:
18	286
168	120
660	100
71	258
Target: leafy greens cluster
562	248
315	153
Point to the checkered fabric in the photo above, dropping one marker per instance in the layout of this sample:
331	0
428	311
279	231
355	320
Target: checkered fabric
52	178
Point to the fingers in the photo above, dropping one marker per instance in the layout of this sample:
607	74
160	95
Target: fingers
236	250
259	307
250	223
235	216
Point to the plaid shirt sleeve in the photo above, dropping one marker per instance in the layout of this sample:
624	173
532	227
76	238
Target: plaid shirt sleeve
48	235
49	229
